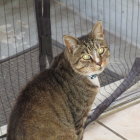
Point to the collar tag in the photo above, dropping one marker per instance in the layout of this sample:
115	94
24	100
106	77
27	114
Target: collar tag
93	76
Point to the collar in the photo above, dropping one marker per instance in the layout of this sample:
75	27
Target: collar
93	76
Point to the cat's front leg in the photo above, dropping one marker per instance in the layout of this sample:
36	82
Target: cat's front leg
80	133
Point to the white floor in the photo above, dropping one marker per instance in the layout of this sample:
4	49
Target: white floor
122	125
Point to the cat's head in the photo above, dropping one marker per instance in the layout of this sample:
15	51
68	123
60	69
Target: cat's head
89	54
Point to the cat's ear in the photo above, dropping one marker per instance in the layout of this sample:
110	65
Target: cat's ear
97	31
70	42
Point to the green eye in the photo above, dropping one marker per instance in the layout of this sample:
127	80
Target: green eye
101	50
86	57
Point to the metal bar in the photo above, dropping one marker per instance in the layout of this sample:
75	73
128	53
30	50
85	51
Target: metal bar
18	54
42	8
54	43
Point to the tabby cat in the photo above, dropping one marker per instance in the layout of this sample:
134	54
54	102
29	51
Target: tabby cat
55	104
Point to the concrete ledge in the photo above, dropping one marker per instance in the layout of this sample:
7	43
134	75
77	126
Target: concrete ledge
3	130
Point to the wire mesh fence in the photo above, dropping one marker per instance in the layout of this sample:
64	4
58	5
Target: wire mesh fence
120	19
18	51
20	43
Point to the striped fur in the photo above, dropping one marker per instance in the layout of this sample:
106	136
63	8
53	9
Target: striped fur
55	104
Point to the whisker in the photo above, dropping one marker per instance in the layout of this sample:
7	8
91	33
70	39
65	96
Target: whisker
115	62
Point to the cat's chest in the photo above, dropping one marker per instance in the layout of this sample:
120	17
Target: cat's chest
95	81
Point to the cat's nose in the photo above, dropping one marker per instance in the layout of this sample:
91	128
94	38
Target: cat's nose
99	63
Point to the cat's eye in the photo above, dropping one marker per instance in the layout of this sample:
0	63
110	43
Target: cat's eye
101	50
86	57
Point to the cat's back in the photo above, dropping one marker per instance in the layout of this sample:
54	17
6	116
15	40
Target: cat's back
42	105
40	88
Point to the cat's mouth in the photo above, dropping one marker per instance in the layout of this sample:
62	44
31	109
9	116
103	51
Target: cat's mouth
96	72
98	69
